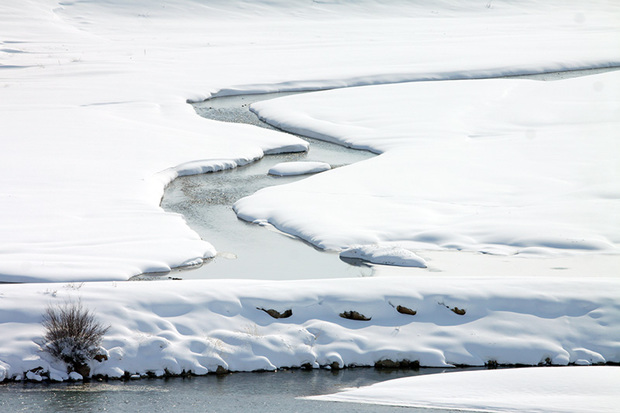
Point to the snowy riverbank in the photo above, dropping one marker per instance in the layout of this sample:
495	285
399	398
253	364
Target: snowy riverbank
199	326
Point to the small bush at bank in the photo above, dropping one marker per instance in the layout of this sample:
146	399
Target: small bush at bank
72	334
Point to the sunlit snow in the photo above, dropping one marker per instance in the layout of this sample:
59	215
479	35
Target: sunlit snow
94	119
95	122
298	168
567	389
200	325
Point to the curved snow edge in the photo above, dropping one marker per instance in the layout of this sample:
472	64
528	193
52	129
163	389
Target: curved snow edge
384	254
568	389
298	168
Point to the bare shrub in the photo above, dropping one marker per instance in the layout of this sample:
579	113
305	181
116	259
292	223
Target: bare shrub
72	333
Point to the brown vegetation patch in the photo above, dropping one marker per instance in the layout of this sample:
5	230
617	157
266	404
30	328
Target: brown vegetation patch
101	357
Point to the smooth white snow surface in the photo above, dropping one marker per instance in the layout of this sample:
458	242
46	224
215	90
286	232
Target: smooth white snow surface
298	168
497	166
200	325
95	122
557	389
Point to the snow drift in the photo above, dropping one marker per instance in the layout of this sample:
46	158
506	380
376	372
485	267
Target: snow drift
513	166
200	326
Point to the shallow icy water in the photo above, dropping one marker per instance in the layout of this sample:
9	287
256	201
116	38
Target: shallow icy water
240	392
246	250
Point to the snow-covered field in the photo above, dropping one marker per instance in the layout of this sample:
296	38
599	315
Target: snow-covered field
94	122
501	166
569	390
94	119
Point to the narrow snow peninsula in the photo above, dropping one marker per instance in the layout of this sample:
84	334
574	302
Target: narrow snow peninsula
244	325
552	390
388	255
298	168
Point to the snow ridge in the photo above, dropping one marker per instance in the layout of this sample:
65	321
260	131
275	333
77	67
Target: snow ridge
203	326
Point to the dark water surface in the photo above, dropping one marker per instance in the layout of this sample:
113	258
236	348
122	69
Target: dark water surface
239	392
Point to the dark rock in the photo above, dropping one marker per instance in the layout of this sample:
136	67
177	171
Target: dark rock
354	315
459	311
415	364
277	314
403	364
387	364
405	310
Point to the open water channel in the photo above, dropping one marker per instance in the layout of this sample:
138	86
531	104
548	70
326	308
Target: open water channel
279	392
247	250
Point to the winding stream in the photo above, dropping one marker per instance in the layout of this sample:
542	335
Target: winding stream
247	250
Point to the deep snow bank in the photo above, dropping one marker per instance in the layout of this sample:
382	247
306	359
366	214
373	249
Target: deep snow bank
566	389
92	101
199	325
498	166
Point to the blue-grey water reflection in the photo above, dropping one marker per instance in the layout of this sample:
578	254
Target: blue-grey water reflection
239	392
